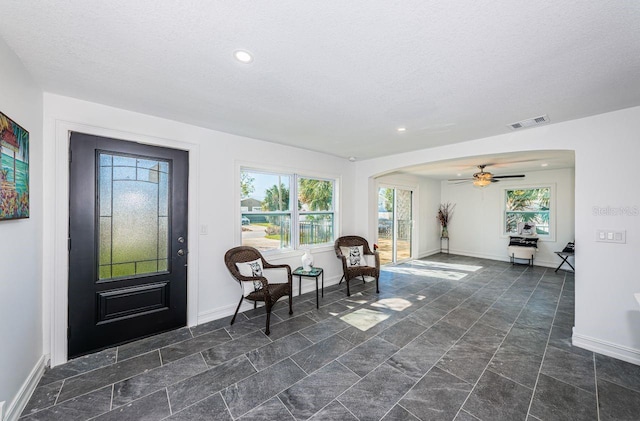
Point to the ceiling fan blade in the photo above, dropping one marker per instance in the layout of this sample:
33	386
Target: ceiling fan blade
509	176
462	179
459	181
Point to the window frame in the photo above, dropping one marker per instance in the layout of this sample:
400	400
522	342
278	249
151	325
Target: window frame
552	209
293	212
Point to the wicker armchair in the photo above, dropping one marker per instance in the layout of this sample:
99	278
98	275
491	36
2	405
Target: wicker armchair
372	267
259	288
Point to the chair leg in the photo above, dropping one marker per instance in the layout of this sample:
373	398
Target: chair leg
290	305
377	287
255	305
268	319
348	292
237	308
341	279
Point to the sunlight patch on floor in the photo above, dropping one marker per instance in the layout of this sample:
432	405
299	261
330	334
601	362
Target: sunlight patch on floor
442	265
359	302
395	304
442	274
364	319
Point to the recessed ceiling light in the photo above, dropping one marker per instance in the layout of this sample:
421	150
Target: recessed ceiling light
243	56
544	165
352	158
402	129
459	175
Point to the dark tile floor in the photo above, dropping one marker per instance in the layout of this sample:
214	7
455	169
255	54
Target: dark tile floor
448	338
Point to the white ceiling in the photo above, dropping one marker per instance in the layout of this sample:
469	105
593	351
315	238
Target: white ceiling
337	76
497	164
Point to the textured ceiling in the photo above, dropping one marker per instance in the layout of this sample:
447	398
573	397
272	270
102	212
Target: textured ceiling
498	164
334	76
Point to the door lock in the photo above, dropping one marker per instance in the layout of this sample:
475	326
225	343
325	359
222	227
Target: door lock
181	240
181	252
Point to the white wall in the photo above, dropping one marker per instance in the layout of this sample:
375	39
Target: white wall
607	147
477	223
215	198
21	243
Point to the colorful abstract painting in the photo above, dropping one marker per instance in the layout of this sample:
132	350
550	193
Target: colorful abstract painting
14	170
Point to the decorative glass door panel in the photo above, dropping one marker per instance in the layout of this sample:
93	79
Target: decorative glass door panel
134	214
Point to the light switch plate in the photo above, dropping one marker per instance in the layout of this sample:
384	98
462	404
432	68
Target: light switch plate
611	236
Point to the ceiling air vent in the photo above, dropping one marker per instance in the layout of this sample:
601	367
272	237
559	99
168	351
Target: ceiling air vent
543	119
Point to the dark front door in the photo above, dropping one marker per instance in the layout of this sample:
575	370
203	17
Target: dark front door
127	241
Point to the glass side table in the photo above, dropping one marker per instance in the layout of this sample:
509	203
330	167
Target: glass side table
315	272
444	247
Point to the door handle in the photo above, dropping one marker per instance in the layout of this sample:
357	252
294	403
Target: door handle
181	252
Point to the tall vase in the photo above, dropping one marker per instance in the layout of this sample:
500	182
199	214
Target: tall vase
307	261
445	232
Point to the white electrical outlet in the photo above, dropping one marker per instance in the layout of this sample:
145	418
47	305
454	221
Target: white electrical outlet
204	229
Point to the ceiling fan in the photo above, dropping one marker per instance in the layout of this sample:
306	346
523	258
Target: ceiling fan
484	178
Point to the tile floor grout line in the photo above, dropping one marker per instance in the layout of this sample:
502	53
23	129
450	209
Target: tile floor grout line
197	402
102	387
544	354
595	375
409	283
223	401
503	339
378	366
88	371
271	397
55	402
285	406
345	407
113	386
400	405
166	391
447	350
207	368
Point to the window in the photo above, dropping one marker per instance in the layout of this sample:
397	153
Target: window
528	206
285	211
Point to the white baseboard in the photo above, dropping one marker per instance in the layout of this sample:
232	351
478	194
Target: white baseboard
428	253
620	352
502	258
308	285
20	401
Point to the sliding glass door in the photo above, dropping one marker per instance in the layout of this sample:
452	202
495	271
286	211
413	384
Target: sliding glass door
395	224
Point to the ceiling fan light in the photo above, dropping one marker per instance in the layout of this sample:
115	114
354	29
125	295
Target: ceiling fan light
482	182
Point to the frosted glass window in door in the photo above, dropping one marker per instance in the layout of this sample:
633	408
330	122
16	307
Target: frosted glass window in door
133	204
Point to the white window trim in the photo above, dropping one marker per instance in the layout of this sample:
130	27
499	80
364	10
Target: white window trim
552	209
294	174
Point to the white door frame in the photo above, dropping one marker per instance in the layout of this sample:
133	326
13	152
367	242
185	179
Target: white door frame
414	211
55	250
